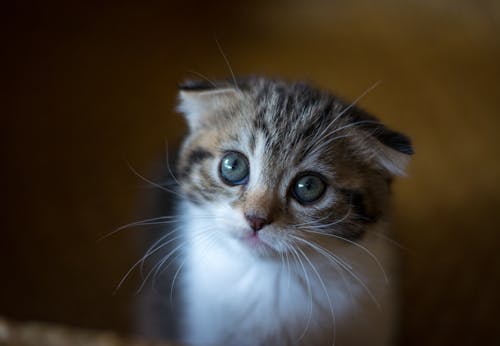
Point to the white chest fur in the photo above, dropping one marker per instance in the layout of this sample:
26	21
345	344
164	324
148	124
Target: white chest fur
232	297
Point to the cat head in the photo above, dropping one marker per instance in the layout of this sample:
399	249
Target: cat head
269	163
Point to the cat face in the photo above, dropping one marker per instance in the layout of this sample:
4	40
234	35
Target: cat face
269	164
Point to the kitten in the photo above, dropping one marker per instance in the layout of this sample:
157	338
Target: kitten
284	209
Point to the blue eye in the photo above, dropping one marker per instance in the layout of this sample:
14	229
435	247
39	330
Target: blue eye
308	188
234	169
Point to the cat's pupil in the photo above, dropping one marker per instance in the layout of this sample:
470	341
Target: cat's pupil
308	184
234	169
233	165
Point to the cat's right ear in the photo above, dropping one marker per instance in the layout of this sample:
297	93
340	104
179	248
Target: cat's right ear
201	101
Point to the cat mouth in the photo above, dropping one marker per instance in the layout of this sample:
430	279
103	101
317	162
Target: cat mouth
254	241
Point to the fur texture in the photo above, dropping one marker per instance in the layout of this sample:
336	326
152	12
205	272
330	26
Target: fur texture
316	273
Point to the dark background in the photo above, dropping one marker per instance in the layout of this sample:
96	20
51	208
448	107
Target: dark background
89	86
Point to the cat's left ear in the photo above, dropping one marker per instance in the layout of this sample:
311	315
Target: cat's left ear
387	149
201	101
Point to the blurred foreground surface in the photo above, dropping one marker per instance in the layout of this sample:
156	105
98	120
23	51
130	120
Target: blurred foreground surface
44	334
92	86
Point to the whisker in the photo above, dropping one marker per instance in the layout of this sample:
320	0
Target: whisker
347	268
157	267
139	261
321	249
371	254
227	63
152	249
309	292
326	293
154	221
315	223
167	161
145	222
346	109
287	248
208	237
203	77
322	143
337	261
312	222
152	182
390	240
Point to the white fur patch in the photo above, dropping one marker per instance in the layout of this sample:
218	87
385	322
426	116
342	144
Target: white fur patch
236	298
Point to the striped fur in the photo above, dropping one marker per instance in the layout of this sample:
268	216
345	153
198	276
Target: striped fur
284	129
295	123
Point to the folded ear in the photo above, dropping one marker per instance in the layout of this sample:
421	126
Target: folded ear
200	101
387	149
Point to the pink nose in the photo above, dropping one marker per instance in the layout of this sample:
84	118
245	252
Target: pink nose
257	223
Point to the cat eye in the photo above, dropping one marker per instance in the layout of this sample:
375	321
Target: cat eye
234	168
308	188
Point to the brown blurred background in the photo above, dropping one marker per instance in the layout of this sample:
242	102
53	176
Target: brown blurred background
89	86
